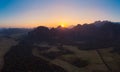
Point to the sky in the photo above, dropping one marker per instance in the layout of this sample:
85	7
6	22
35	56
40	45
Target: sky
51	13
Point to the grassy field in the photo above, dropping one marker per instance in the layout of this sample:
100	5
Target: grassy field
5	44
67	56
95	63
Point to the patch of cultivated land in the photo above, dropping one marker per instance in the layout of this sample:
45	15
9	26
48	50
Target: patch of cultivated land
65	57
95	63
112	59
5	44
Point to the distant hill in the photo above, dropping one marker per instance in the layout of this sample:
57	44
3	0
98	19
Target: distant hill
99	33
100	23
10	31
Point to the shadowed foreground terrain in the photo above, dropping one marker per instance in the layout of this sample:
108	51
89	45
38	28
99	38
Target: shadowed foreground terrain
84	48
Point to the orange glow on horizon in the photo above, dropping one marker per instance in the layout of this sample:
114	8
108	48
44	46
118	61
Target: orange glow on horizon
63	22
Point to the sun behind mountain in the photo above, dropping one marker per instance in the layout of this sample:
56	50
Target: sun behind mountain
62	25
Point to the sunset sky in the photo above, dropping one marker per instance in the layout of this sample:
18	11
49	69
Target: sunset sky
51	13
